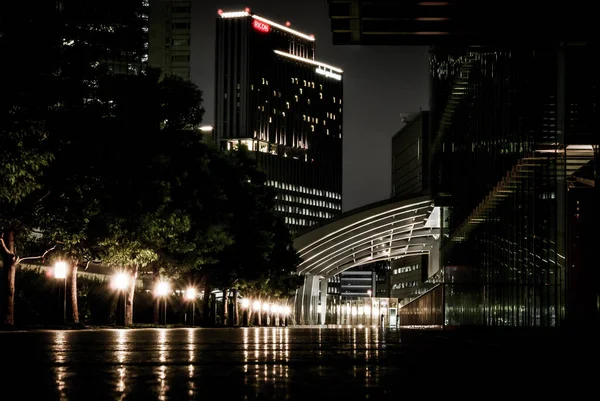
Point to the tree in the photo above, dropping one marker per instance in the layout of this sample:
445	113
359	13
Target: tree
28	97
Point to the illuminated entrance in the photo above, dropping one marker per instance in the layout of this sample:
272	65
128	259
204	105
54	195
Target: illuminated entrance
381	231
365	311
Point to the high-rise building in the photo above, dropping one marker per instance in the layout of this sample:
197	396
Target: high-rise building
275	98
410	157
112	33
170	36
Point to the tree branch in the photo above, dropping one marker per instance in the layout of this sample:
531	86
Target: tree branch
19	260
4	247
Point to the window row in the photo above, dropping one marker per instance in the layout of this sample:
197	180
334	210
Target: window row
406	269
299	222
406	284
304	211
311	202
304	190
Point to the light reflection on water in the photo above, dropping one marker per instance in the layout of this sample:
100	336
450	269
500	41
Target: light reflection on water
167	364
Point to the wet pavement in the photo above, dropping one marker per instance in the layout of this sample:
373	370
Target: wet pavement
250	364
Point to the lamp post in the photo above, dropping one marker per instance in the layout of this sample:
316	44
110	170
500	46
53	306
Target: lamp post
162	290
191	294
60	273
256	306
120	281
245	307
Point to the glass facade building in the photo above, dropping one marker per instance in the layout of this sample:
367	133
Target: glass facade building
273	97
515	133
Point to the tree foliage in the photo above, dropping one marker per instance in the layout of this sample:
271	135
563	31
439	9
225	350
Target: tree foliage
107	164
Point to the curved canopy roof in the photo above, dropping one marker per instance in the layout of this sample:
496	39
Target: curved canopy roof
380	231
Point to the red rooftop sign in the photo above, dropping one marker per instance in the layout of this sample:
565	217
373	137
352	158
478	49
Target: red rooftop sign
261	26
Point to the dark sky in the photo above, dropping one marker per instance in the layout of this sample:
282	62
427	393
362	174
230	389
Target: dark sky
381	84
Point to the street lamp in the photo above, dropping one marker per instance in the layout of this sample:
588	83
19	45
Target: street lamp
120	282
245	311
190	294
256	307
162	290
60	273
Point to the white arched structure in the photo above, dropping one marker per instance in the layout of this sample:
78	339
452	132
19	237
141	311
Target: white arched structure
381	231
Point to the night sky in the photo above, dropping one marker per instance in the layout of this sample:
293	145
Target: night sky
381	85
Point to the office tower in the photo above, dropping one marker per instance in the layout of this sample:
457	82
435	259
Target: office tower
111	33
410	157
275	98
170	36
514	156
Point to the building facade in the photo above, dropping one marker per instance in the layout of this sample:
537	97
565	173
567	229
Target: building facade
509	225
273	97
111	34
410	157
406	275
170	36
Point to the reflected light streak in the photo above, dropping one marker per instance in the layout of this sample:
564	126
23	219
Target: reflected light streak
191	345
287	347
162	346
121	383
162	378
121	353
354	342
376	339
256	343
59	348
320	345
162	370
245	336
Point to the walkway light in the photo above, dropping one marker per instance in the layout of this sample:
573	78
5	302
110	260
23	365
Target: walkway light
191	293
256	305
287	310
60	273
162	289
60	270
120	281
265	307
245	303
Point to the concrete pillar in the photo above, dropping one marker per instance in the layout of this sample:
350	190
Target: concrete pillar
433	261
323	314
307	301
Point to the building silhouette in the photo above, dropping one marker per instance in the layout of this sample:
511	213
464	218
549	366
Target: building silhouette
170	36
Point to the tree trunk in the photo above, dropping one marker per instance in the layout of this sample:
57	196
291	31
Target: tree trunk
74	305
206	303
129	295
155	280
7	280
235	318
225	306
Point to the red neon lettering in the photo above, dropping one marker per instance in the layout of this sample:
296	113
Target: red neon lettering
261	26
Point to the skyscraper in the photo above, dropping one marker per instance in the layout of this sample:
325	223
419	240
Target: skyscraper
273	97
170	36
